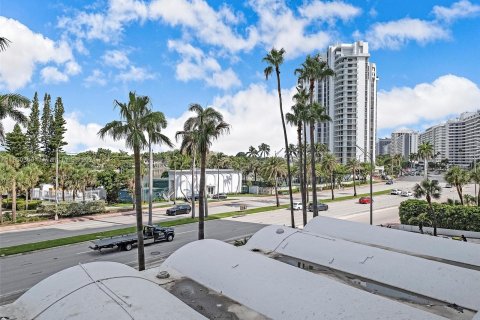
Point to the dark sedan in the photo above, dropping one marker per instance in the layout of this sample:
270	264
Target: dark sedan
179	209
320	207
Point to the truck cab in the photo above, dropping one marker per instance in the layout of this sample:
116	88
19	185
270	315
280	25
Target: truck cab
158	233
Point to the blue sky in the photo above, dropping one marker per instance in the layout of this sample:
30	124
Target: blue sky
209	52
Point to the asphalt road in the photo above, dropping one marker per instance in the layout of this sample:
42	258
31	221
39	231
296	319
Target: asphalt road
83	225
18	273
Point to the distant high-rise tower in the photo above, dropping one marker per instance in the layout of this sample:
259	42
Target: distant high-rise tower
404	142
350	99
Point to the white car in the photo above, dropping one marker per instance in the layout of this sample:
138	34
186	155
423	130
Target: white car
407	194
396	192
297	206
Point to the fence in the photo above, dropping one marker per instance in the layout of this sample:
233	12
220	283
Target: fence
67	195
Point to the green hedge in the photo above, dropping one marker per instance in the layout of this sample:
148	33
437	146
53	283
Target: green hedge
73	209
284	192
32	204
448	216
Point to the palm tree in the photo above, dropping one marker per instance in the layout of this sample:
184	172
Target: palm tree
135	117
207	125
274	59
156	122
312	70
274	168
4	43
188	147
12	162
429	189
475	176
458	177
297	118
353	164
218	160
425	152
397	159
329	163
422	219
252	152
264	150
28	178
7	180
10	104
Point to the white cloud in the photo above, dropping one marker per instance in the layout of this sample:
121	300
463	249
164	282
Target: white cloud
81	137
136	74
96	78
209	26
447	95
116	58
107	27
460	9
28	49
394	34
279	27
72	68
53	75
242	111
329	11
196	65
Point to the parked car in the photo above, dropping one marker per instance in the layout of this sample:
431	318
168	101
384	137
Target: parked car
219	196
189	197
407	194
297	206
320	207
365	200
448	185
179	209
389	181
396	192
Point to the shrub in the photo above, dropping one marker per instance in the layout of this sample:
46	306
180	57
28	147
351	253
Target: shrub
32	204
73	209
448	216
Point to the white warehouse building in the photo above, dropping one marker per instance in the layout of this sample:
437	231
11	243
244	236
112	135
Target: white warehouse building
217	181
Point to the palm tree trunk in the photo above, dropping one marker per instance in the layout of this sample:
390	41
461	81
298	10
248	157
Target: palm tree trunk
460	194
14	201
434	216
193	188
285	138
26	199
354	185
138	207
201	197
300	166
1	205
312	165
425	167
218	181
83	193
150	184
276	192
63	193
175	183
332	186
305	180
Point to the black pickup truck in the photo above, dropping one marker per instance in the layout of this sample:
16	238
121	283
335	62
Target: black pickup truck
151	234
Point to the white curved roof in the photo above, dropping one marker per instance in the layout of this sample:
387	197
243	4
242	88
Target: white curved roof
99	290
401	241
278	290
432	279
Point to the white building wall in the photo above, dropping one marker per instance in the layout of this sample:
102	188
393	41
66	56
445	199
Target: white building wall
217	181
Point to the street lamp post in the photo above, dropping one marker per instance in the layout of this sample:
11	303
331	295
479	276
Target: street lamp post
56	184
371	182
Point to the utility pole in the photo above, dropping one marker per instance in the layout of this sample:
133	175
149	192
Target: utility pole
371	182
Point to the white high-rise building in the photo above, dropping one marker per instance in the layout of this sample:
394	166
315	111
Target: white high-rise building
464	139
350	99
437	136
404	142
457	140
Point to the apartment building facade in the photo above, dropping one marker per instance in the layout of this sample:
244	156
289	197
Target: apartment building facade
457	140
404	142
350	99
383	146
